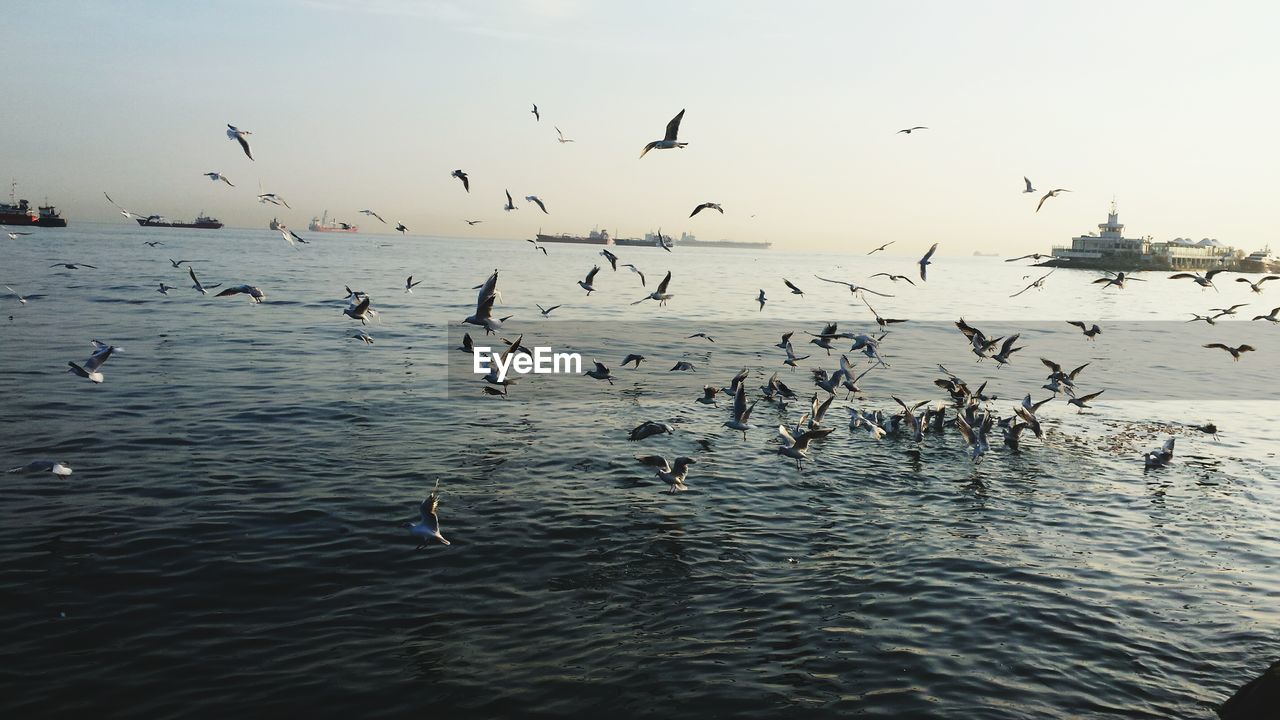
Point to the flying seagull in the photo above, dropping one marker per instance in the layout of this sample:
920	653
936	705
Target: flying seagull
672	473
600	372
164	289
216	176
634	269
427	529
873	252
400	228
546	312
466	182
256	295
661	294
1270	317
204	289
669	140
853	288
794	447
536	115
274	199
483	315
73	266
924	261
563	139
1051	193
409	284
473	222
510	205
91	365
235	133
1038	284
761	299
1032	256
1027	180
22	299
741	411
706	205
1089	332
1235	351
1205	280
537	201
794	290
894	278
613	259
633	357
591	276
1257	286
126	213
15	234
912	129
649	428
370	212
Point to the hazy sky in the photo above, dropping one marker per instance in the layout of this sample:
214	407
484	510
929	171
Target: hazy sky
792	113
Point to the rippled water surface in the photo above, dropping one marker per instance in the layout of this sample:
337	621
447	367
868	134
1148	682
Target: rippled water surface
230	540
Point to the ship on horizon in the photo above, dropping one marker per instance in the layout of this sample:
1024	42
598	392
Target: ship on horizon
602	237
202	222
324	224
18	213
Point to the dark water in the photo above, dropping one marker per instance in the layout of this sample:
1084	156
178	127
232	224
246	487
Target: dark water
229	543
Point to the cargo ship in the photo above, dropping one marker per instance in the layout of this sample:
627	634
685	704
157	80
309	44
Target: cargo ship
202	222
602	237
19	213
324	224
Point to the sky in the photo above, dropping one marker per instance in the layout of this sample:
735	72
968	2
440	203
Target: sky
792	113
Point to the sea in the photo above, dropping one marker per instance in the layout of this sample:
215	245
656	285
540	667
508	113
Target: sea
231	542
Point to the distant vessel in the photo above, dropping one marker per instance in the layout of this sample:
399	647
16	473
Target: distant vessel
202	222
602	237
324	224
1110	250
1260	261
19	214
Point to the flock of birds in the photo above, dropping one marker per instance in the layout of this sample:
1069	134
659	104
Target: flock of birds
968	411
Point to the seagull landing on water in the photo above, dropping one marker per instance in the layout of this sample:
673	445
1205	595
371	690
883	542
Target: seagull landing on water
794	447
370	212
668	140
427	529
741	412
649	428
671	473
466	182
599	372
661	294
1159	458
1051	193
216	176
707	206
235	133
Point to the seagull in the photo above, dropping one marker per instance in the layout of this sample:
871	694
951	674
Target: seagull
668	141
1159	458
661	294
895	278
468	345
1007	349
22	299
924	261
536	116
1270	317
359	310
1205	281
73	266
707	206
483	315
204	289
510	205
563	139
673	473
1038	284
289	236
216	176
15	234
274	199
1235	351
1081	401
703	335
883	322
633	357
256	295
177	264
1118	281
683	366
853	288
476	222
235	133
546	311
370	212
400	228
761	299
409	284
791	357
427	529
1032	256
708	395
591	276
1027	180
152	243
873	252
466	182
912	129
537	201
1051	193
91	365
600	372
362	336
794	290
56	468
1090	333
741	412
613	259
635	270
649	428
794	447
123	212
1257	286
1227	311
164	289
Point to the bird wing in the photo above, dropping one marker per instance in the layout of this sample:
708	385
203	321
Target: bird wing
792	286
1090	396
662	286
591	276
1218	345
673	127
1027	180
648	147
1046	196
540	204
802	442
244	144
930	253
698	209
1180	276
1078	324
786	435
1210	273
837	282
654	461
